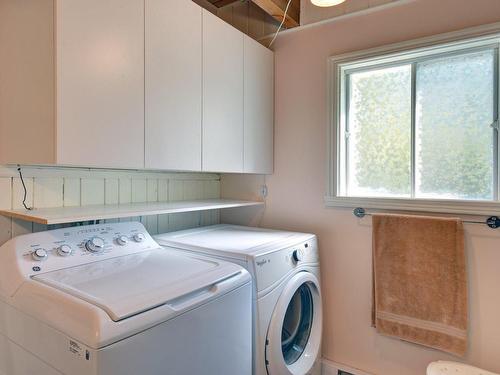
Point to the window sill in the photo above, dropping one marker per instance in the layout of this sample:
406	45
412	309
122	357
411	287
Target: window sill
487	208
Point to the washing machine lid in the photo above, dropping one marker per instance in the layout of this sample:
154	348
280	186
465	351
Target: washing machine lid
230	240
132	284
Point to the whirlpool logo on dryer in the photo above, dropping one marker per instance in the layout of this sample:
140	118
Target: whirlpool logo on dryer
262	262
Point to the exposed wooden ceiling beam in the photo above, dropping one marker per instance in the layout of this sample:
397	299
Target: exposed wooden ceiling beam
276	8
222	3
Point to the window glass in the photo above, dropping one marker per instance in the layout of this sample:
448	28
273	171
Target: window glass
379	133
420	124
454	139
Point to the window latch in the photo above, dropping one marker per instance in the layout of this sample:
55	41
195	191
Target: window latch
495	125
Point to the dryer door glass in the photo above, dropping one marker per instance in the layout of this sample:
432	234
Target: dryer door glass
297	324
294	331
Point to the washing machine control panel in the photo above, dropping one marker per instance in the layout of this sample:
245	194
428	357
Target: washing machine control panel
57	249
277	264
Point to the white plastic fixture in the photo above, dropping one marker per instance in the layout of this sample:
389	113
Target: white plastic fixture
326	3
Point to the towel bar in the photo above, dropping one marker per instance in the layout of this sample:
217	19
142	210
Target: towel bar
493	221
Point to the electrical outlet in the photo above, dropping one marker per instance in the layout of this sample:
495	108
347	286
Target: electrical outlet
263	191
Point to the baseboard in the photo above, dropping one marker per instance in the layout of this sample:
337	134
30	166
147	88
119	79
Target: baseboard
332	368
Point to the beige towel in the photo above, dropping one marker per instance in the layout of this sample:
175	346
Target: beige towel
420	283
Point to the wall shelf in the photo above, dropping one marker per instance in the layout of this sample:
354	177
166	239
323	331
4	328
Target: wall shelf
61	215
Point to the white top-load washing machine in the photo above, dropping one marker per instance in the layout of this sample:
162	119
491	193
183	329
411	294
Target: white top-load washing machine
287	298
108	300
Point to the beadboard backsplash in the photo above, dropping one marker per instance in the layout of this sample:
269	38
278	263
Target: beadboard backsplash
63	187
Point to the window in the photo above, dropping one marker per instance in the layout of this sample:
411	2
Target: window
416	125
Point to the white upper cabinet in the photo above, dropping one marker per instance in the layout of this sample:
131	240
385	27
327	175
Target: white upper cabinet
100	83
173	67
157	84
222	96
258	108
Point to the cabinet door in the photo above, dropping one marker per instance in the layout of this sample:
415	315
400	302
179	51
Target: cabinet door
258	108
222	96
100	83
173	84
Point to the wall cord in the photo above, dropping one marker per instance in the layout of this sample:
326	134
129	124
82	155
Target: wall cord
281	24
24	187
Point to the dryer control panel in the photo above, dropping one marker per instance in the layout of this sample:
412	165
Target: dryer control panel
57	249
272	267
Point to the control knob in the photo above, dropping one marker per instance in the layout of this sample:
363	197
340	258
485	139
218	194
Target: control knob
122	240
297	255
95	245
64	250
139	237
39	254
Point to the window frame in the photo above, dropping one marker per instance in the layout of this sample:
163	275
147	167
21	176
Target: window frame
409	52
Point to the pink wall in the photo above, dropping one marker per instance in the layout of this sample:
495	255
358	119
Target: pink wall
297	188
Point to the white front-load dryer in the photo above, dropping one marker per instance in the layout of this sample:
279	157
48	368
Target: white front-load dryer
287	310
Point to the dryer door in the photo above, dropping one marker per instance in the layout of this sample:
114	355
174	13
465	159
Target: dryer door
294	333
